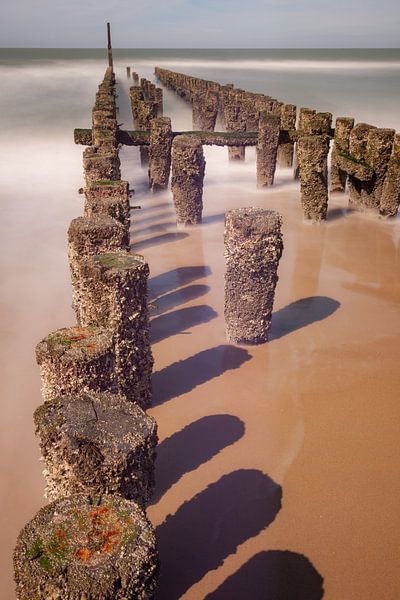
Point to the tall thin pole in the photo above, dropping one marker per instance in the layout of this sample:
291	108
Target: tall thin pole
110	56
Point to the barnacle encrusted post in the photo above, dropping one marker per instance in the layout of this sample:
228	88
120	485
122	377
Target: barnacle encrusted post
75	360
114	295
253	247
390	199
312	153
88	236
288	123
96	444
85	547
188	167
343	128
101	163
108	198
160	153
205	110
267	148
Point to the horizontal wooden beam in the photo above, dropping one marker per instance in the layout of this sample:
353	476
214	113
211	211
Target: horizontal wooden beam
208	138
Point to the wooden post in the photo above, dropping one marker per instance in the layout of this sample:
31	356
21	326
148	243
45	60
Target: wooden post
81	547
112	453
109	47
267	148
253	247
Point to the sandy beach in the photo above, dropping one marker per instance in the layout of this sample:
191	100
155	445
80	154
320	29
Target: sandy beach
278	463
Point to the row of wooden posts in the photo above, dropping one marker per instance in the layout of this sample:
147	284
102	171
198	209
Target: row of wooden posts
365	157
253	238
97	442
365	160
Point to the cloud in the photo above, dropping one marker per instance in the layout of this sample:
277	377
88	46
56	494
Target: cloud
202	23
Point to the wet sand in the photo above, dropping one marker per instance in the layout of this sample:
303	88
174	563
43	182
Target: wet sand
278	464
295	440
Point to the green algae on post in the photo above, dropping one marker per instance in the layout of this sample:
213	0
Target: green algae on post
87	547
119	260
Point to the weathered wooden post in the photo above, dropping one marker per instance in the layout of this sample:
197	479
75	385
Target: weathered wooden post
253	247
100	165
88	236
312	153
108	198
92	548
160	153
158	98
390	199
188	167
97	444
128	72
205	110
379	151
343	128
113	294
358	152
224	97
303	128
267	148
288	123
235	121
75	360
109	47
305	117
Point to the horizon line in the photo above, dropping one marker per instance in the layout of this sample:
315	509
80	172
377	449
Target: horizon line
201	48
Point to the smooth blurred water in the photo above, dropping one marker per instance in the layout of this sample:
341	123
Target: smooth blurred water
49	85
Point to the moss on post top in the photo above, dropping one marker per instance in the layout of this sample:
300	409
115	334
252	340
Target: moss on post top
99	156
121	261
74	342
354	160
113	183
80	531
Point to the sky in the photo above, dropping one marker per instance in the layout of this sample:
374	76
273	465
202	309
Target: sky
201	23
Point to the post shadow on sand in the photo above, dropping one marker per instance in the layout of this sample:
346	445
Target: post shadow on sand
166	282
195	444
152	217
210	219
180	296
338	213
272	575
179	321
184	375
301	313
163	226
159	239
210	526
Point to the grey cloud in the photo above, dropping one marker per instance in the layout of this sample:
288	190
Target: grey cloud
202	23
